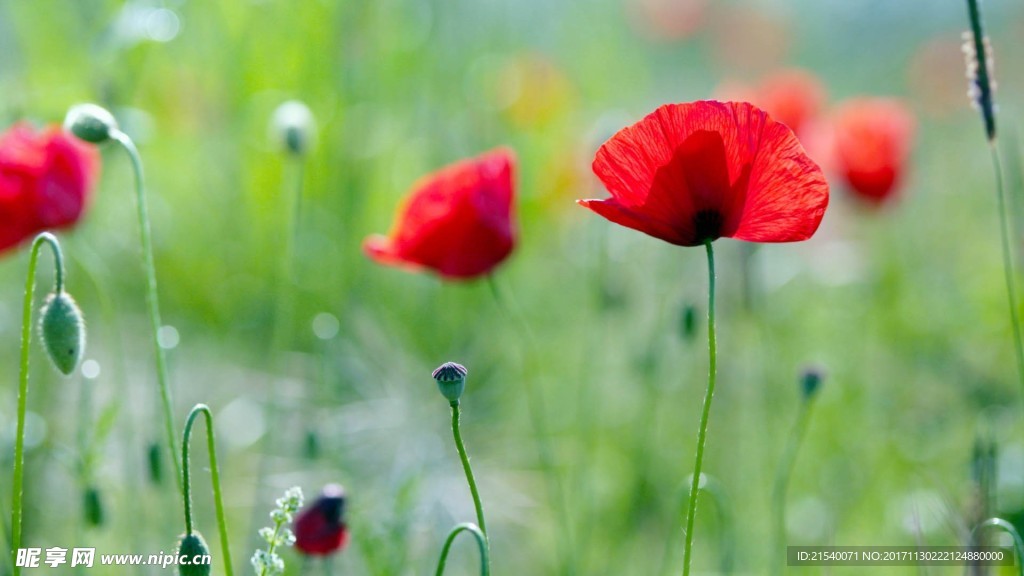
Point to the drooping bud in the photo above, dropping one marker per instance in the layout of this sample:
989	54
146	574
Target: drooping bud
451	380
92	506
90	122
193	547
320	529
293	127
63	331
810	381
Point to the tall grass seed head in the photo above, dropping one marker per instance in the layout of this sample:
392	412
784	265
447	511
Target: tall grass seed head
63	331
451	380
191	546
90	122
981	83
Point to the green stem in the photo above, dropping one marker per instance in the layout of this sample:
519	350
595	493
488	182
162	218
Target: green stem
218	500
538	418
152	299
1018	543
481	541
782	476
26	337
468	469
1011	291
702	431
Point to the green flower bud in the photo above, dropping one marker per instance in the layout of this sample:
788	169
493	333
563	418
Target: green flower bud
810	381
92	504
191	546
90	123
63	331
155	460
293	127
451	380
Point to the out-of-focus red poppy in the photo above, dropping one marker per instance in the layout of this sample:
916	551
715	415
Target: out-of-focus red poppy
688	173
458	221
46	179
668	20
792	96
320	529
871	144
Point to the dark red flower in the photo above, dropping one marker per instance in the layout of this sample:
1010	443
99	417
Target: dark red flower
46	179
700	171
320	528
458	221
871	144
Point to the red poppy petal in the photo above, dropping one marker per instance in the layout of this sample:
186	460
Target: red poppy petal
787	193
614	211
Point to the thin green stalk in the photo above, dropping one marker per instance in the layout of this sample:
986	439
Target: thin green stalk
26	337
218	500
1011	290
538	418
469	472
481	541
711	487
782	476
152	298
1018	543
702	431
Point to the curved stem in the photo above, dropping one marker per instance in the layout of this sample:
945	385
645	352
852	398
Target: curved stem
1004	231
481	541
702	431
152	299
467	468
26	337
222	526
1018	543
782	476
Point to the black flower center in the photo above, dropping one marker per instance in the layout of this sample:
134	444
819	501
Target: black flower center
707	225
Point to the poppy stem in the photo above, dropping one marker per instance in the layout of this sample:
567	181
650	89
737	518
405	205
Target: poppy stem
481	541
456	413
1004	230
782	476
26	337
152	298
702	431
222	526
1018	543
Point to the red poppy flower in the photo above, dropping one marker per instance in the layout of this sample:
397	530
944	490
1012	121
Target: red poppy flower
320	529
872	138
46	179
693	172
458	221
794	97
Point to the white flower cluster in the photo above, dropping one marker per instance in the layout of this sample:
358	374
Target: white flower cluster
268	562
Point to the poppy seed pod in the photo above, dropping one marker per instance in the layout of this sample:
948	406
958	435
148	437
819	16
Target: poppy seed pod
90	122
451	380
92	504
63	331
191	547
293	127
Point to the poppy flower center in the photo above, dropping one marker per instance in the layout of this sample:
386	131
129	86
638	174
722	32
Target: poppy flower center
707	225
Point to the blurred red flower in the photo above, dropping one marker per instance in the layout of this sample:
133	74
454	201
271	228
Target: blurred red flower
871	144
458	221
700	171
320	529
46	179
793	96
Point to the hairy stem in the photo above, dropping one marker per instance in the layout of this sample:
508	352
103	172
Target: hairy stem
481	541
218	499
